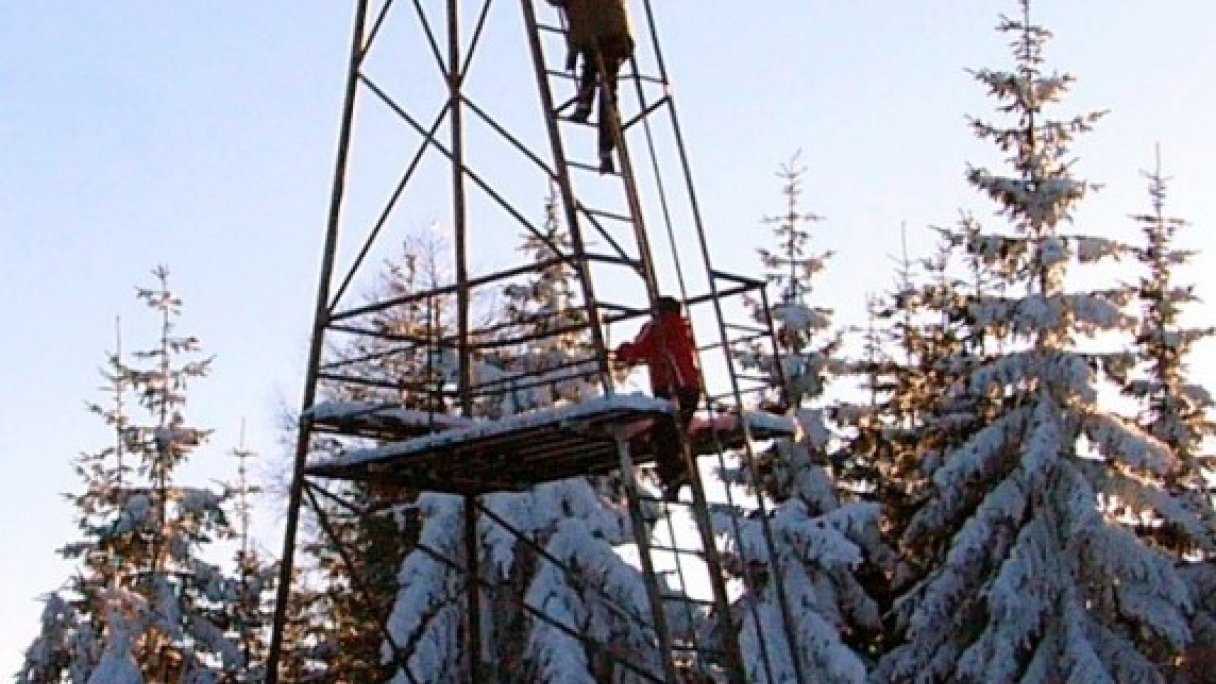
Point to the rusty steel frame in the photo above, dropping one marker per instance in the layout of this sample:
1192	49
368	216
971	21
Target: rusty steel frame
328	318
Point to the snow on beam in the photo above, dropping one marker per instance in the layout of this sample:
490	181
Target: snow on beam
380	420
762	424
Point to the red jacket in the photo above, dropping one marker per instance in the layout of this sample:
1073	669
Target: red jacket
665	345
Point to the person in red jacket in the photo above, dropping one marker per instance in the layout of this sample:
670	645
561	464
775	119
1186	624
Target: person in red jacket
665	345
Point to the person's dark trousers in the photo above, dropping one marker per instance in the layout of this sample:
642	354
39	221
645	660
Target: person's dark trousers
669	432
613	51
587	78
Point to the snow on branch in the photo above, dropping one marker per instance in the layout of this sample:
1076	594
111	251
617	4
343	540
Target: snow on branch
1044	202
979	459
1147	590
1030	91
428	611
1119	440
1093	249
1018	603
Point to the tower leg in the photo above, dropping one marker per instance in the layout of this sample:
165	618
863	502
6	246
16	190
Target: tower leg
320	320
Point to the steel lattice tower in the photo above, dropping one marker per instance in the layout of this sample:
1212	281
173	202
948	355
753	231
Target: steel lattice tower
456	113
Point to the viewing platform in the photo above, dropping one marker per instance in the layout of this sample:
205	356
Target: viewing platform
463	456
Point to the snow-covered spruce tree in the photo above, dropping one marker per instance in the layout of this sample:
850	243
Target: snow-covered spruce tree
592	591
1176	411
579	521
346	591
803	364
821	537
910	334
547	355
174	604
64	648
351	577
894	375
1041	581
251	611
145	605
69	644
925	407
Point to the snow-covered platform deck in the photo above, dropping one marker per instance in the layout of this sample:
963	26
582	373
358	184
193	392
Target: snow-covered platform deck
515	453
385	422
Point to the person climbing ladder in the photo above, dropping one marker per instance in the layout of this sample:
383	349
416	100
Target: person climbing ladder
665	345
597	32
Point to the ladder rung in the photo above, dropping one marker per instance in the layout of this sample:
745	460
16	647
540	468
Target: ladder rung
699	651
550	29
623	218
749	335
590	167
566	118
679	551
561	74
680	598
751	283
657	499
748	328
655	80
754	378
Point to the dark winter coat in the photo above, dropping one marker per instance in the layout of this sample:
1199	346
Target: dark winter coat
592	22
666	346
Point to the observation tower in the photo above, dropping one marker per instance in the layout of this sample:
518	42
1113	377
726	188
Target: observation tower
457	115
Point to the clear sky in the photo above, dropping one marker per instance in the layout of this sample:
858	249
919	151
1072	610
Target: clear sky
199	134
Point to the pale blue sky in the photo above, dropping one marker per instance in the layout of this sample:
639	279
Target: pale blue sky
200	135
